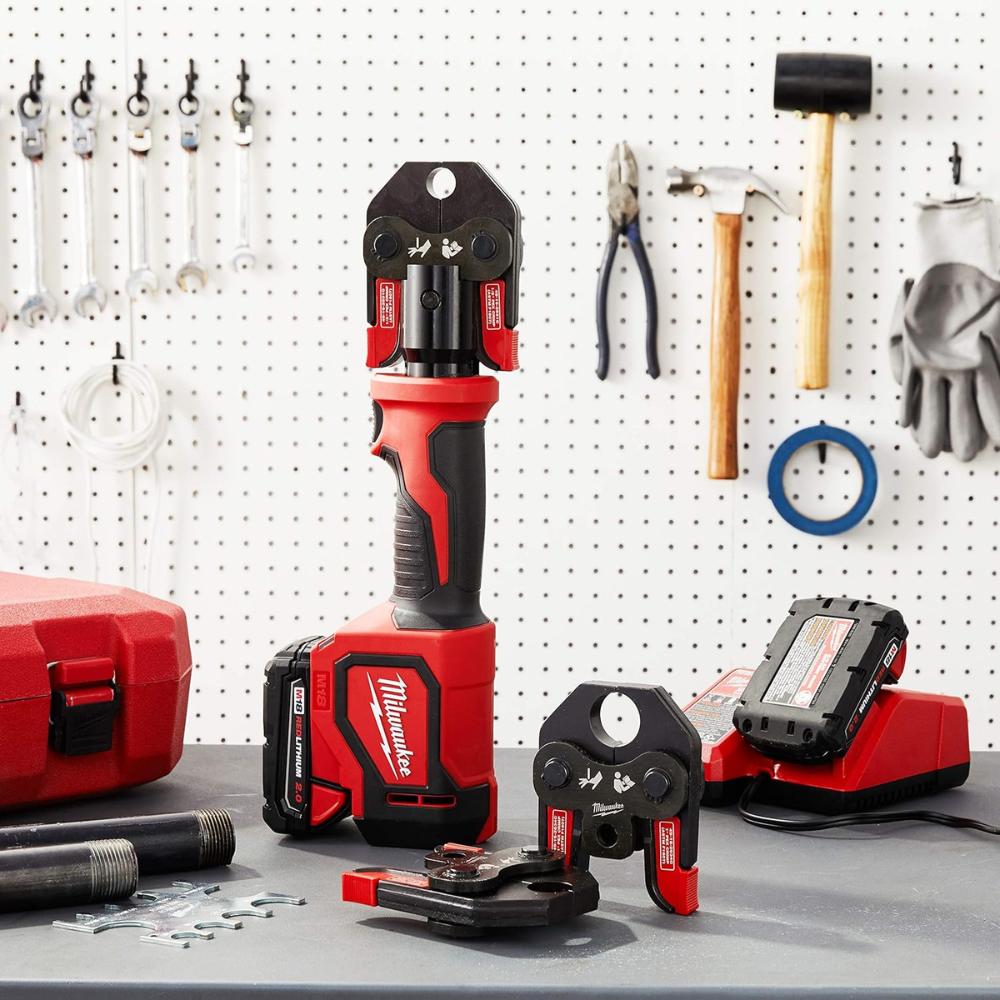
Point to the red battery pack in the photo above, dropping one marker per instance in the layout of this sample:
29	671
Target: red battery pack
93	688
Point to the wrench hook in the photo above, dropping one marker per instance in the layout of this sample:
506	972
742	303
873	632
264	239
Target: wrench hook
35	83
82	103
244	78
141	102
33	96
189	103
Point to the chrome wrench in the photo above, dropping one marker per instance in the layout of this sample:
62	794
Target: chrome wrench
242	258
142	279
83	111
192	267
39	303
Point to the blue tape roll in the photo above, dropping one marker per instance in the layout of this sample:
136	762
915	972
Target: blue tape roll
812	435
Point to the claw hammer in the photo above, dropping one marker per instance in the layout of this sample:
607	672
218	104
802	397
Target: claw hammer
727	191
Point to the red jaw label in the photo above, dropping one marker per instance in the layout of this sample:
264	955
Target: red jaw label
387	708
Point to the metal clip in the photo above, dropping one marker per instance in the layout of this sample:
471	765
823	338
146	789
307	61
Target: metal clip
33	123
190	108
83	111
140	113
242	109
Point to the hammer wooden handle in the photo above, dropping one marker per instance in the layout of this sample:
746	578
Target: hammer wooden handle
724	352
812	349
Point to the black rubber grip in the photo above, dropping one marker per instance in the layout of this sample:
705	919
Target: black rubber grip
457	461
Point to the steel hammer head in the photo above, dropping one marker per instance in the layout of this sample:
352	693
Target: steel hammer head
727	188
823	83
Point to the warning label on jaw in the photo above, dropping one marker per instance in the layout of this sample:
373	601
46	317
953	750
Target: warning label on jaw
494	306
666	843
559	830
386	305
808	662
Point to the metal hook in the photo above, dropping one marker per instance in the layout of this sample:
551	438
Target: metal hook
956	164
821	448
35	83
15	416
140	78
138	104
189	103
243	77
190	78
118	356
83	99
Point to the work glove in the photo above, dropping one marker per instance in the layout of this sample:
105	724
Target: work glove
945	333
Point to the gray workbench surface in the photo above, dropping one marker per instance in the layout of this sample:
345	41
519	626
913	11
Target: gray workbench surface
910	911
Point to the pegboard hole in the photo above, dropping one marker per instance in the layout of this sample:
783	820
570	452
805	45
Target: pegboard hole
441	183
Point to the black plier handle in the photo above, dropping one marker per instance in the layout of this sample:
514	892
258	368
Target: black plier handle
632	234
623	210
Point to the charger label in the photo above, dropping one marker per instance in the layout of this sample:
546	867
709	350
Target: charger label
712	713
806	665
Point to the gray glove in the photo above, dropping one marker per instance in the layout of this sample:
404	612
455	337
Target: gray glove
945	335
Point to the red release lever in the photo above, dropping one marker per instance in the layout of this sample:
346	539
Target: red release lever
499	343
362	887
383	337
678	886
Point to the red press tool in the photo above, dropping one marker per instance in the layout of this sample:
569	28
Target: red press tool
390	720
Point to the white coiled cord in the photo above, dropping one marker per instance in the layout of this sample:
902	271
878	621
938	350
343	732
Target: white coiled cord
123	452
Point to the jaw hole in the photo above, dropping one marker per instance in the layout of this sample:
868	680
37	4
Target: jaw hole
614	720
441	183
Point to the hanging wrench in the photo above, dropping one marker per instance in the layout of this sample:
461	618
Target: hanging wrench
192	267
39	302
142	278
242	258
83	111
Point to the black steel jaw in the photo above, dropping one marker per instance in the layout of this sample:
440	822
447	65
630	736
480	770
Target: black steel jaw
467	891
473	232
598	797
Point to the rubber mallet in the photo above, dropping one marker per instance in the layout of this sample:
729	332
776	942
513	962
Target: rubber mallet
819	87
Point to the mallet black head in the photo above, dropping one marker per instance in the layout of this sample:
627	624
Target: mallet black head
823	83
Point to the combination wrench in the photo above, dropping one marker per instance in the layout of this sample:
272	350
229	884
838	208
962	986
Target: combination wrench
142	279
33	110
83	111
190	110
242	258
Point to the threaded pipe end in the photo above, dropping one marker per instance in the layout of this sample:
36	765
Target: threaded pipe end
218	837
114	869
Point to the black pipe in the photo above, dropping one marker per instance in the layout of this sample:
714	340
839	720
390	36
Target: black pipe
169	842
32	878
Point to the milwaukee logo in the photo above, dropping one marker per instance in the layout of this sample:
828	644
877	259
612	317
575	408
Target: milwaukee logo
388	706
600	809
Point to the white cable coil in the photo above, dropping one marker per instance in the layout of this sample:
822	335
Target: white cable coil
125	451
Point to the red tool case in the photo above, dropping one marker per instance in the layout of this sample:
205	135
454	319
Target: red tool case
93	688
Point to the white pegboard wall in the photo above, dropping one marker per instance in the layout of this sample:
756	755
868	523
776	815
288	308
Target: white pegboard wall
609	552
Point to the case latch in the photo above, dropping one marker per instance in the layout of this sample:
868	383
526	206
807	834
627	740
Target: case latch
85	701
